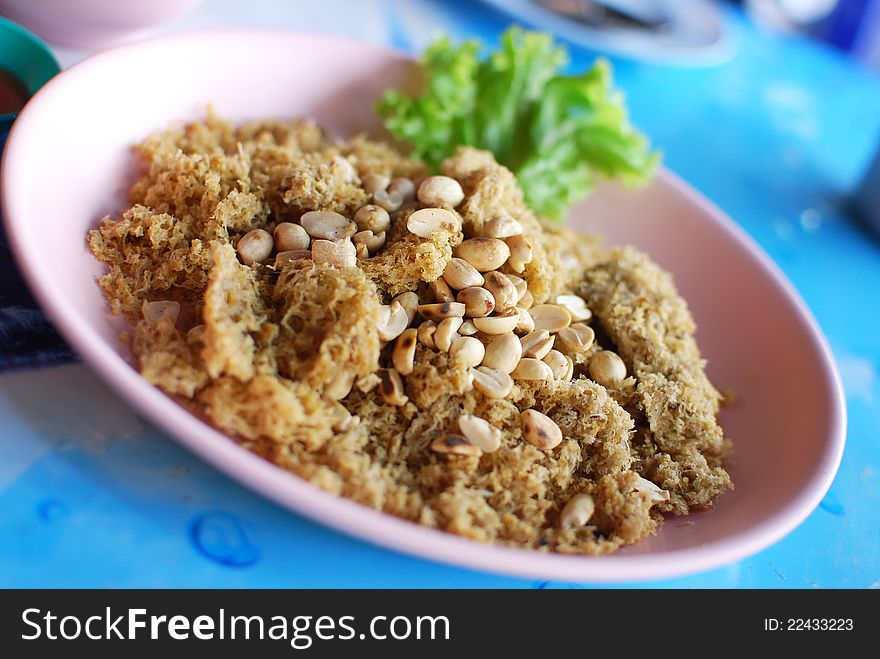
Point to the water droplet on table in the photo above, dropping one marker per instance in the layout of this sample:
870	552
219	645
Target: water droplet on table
555	585
784	229
811	219
51	510
222	538
832	505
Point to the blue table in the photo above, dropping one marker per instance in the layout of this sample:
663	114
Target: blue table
90	495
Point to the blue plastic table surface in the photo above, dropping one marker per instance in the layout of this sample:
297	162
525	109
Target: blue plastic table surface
90	495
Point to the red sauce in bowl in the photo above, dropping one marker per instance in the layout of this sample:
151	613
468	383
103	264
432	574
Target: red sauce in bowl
13	94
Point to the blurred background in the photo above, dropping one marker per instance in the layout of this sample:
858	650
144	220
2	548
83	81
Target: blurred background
853	26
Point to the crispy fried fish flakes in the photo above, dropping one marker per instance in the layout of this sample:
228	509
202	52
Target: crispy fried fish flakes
286	357
682	446
327	318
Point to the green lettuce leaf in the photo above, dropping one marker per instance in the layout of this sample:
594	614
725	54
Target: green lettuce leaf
555	132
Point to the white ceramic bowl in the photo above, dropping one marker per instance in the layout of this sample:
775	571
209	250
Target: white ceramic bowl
68	163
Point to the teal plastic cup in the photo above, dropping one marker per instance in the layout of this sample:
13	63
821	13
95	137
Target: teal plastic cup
28	59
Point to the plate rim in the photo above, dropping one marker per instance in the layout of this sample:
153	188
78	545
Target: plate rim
378	528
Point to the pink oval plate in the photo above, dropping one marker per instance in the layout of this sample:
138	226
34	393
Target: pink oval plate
68	163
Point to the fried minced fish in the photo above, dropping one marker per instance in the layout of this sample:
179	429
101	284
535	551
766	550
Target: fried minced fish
289	362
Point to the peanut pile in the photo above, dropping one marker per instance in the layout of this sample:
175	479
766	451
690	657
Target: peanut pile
419	343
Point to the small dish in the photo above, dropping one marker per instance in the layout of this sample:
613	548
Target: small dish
27	60
788	423
677	32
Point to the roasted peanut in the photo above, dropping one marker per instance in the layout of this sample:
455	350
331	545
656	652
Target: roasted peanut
550	317
372	218
327	225
540	430
483	253
502	226
405	351
341	253
577	512
441	191
502	289
255	246
503	353
491	383
498	324
477	301
607	368
290	236
460	274
426	222
441	310
480	432
467	351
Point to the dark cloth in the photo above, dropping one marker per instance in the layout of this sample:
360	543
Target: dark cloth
27	338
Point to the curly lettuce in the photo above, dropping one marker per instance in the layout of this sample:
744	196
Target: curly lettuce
555	132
